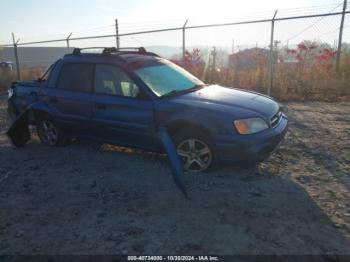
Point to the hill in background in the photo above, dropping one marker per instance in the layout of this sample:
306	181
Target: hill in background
33	56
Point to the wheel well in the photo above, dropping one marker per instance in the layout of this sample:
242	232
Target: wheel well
178	126
37	115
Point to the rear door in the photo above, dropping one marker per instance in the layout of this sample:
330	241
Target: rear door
120	113
70	99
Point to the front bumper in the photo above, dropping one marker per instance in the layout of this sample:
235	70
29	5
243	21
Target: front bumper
251	148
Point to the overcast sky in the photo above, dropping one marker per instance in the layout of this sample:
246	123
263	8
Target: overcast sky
33	20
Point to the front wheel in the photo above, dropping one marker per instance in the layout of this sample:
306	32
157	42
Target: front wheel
48	133
195	151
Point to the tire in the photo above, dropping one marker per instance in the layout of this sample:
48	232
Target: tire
195	150
20	136
49	133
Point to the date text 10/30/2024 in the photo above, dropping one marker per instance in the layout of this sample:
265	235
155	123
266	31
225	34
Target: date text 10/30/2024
173	258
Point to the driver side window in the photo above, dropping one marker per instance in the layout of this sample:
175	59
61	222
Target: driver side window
111	80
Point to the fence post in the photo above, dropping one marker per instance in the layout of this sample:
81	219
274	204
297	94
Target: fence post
68	42
184	40
271	56
117	33
16	56
340	39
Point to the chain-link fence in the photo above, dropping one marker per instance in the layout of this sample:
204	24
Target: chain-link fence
289	54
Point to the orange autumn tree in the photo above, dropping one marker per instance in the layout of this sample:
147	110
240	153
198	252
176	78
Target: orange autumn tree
311	76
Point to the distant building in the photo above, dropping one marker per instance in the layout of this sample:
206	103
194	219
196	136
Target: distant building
288	56
249	58
6	67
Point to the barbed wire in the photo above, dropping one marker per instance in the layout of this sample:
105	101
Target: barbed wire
316	28
312	25
126	27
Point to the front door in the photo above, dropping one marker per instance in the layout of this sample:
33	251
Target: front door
119	114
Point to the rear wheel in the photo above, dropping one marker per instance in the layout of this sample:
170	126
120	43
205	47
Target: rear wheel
48	133
195	151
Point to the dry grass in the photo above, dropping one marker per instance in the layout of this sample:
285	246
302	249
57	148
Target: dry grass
31	73
26	74
312	77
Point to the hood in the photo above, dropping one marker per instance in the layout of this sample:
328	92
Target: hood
230	98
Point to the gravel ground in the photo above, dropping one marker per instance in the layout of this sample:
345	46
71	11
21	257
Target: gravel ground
89	198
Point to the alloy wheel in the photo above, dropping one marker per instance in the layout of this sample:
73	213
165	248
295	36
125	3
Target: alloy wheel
195	154
48	133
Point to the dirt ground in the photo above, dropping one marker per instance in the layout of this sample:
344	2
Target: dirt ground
88	198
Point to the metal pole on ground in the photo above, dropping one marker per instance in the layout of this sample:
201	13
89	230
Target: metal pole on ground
271	55
16	56
340	39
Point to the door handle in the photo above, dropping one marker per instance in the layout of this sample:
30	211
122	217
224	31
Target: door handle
101	106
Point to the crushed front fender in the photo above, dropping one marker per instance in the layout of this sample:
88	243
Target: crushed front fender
19	132
175	162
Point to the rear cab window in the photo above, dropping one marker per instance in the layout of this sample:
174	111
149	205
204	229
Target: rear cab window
76	77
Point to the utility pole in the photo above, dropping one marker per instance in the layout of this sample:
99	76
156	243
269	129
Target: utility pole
233	46
184	40
117	33
213	53
271	56
340	39
16	56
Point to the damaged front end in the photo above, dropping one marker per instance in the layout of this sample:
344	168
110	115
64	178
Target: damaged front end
19	133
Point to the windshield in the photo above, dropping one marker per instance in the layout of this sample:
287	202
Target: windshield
164	77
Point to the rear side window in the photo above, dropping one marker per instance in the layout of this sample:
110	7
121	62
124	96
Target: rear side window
76	77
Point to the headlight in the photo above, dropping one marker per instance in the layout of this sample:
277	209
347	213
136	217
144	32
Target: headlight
10	92
250	125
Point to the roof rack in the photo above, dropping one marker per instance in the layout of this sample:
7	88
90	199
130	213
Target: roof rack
111	50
